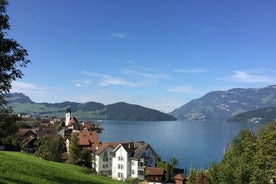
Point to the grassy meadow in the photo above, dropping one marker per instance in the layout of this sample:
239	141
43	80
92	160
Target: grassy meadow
16	167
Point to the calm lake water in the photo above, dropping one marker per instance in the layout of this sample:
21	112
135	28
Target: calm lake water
192	143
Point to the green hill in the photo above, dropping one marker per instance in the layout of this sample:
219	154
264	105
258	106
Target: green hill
132	112
21	103
16	167
255	116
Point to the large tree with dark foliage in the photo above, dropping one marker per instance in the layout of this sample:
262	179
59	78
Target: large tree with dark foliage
12	55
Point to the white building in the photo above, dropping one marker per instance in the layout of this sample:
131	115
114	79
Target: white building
67	116
102	158
131	159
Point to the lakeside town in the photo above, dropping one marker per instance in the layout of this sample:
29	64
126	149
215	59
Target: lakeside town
161	55
118	160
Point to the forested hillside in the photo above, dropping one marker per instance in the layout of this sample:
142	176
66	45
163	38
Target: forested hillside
89	110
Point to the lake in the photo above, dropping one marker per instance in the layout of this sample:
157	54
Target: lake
192	143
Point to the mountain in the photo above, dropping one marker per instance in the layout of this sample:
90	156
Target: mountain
122	111
221	105
255	116
89	110
18	97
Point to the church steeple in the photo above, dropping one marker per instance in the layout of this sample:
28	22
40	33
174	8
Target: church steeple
67	116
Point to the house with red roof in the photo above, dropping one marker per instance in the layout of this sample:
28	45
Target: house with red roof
102	158
155	175
180	178
86	140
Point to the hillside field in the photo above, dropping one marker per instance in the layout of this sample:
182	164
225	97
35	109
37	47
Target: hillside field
16	167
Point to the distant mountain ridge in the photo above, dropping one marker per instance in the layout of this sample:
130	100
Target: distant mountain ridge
221	105
18	97
255	116
89	110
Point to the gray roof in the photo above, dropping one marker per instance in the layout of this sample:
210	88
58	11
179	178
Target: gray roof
137	149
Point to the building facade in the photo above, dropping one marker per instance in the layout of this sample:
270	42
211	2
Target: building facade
102	159
131	159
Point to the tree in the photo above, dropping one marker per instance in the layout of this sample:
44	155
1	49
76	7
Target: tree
252	159
192	177
51	148
8	124
173	164
85	159
74	150
264	165
12	55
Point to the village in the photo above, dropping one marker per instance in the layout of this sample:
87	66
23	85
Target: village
121	160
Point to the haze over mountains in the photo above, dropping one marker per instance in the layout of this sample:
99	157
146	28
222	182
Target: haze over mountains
214	106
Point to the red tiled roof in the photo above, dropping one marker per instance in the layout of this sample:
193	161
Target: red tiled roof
154	171
88	138
104	145
180	176
101	148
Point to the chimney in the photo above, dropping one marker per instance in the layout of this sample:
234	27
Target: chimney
131	145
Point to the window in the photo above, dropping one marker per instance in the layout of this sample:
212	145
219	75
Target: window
141	172
120	158
132	172
120	166
105	166
120	175
141	164
105	157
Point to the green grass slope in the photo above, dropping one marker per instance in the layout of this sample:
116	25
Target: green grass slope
16	167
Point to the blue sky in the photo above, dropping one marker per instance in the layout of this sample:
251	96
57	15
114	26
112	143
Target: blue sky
156	53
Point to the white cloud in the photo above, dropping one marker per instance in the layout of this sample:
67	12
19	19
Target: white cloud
29	89
78	85
81	83
119	35
247	77
109	80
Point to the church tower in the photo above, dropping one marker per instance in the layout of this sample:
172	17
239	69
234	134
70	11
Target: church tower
67	116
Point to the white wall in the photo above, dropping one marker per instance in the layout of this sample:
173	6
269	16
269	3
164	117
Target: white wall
121	158
104	166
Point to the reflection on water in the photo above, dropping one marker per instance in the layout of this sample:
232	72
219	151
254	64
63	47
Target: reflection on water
191	143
